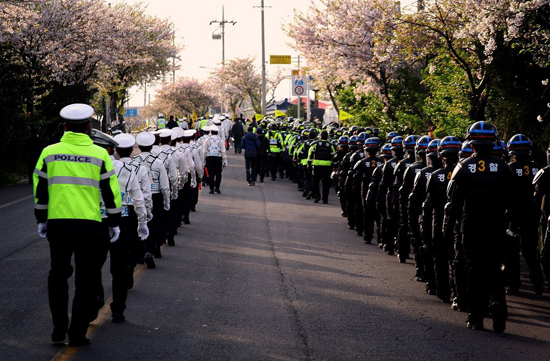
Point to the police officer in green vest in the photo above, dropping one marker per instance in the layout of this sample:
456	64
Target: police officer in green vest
161	122
320	159
68	178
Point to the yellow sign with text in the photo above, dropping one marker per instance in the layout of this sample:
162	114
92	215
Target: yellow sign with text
280	59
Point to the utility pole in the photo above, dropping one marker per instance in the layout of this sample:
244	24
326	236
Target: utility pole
264	105
222	37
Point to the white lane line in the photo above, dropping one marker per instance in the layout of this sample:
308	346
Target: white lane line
14	202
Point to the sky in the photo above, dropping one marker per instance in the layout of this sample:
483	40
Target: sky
193	30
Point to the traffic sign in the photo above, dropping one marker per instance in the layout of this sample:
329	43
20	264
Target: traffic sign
299	84
280	59
131	112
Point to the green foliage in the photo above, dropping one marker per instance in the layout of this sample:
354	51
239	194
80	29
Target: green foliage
293	111
447	104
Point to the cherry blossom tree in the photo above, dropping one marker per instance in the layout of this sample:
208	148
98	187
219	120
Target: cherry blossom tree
240	80
350	42
185	96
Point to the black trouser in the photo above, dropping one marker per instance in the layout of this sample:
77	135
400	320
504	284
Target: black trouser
403	237
369	218
261	166
237	143
173	220
307	180
214	166
321	174
195	194
274	163
359	210
459	273
187	195
300	176
527	241
123	258
482	242
416	241
250	166
442	250
84	246
350	201
154	225
342	193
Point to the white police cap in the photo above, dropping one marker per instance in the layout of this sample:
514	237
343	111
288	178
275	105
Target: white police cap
177	133
145	139
100	138
165	133
77	113
217	122
188	133
207	128
213	128
125	140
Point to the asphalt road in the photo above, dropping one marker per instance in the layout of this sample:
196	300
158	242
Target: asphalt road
259	274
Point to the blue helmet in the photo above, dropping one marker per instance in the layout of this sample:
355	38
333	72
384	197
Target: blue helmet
386	151
431	151
449	145
410	142
397	142
361	137
422	144
372	144
466	150
482	133
343	140
392	135
519	144
352	142
498	148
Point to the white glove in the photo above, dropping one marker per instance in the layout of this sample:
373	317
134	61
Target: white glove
174	195
224	164
167	205
149	216
114	233
42	229
143	231
193	182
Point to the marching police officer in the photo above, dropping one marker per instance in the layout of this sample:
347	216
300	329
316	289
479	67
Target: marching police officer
160	194
404	196
527	219
479	193
67	181
401	197
364	170
436	197
320	159
421	209
216	159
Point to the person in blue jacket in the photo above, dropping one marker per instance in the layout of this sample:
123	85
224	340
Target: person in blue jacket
250	144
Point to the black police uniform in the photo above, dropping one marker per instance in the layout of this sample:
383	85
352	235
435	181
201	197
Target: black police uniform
353	196
373	201
420	223
400	200
526	220
323	150
365	212
480	188
442	247
391	215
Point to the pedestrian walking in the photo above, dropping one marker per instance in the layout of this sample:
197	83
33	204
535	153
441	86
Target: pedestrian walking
251	144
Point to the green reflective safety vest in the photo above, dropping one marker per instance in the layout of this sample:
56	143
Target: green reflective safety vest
204	123
161	123
321	153
275	142
69	176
